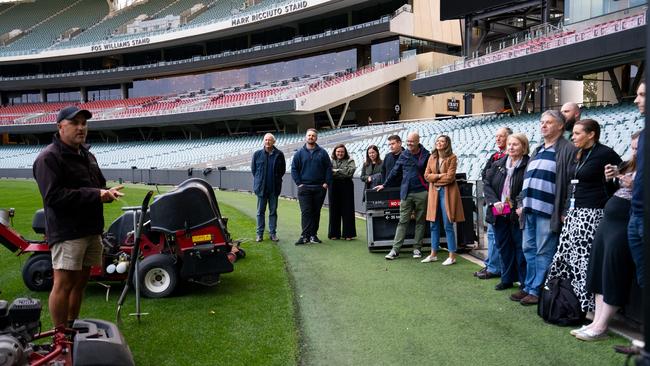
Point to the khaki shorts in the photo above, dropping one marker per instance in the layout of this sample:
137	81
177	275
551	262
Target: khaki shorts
73	255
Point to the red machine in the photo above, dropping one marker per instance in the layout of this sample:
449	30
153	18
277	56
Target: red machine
88	342
184	238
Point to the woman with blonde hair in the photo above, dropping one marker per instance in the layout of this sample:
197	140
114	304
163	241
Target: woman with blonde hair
444	201
502	184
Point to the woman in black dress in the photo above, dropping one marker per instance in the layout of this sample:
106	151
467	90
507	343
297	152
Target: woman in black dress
588	193
611	268
341	196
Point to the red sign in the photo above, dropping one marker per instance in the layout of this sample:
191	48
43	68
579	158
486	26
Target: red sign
393	203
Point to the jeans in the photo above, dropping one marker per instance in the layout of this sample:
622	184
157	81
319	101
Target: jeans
449	226
635	241
493	261
262	201
508	244
311	200
417	203
539	245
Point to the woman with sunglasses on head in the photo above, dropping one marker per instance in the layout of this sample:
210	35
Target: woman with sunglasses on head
588	193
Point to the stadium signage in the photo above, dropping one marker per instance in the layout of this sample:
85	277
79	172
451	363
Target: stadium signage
120	44
270	13
453	105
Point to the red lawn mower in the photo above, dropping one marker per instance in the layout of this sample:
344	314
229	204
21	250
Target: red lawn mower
89	342
184	237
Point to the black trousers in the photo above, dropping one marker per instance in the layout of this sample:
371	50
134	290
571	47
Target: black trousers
341	199
311	200
611	268
508	241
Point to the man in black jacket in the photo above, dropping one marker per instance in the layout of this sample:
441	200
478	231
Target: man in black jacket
395	150
311	170
73	190
268	167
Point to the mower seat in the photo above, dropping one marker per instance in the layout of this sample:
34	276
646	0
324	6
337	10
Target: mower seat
38	222
191	206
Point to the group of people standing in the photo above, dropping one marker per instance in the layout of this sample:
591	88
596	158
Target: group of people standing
571	209
566	212
315	174
428	192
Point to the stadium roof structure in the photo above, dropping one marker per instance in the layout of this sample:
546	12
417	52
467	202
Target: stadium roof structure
570	61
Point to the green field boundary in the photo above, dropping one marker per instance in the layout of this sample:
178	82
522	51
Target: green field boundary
356	308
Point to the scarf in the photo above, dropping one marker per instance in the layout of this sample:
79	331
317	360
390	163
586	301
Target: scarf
510	169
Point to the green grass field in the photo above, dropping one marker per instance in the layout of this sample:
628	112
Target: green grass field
247	319
351	307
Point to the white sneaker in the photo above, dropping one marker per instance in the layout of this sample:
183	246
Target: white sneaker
449	262
392	255
573	332
429	259
417	253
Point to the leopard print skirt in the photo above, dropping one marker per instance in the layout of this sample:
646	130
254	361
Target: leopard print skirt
571	260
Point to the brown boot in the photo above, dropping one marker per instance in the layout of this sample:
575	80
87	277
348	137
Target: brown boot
517	296
529	300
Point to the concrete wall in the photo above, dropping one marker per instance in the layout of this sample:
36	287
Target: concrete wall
427	23
414	107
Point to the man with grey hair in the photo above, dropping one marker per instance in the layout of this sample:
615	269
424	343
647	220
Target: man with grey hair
413	193
268	167
542	203
571	112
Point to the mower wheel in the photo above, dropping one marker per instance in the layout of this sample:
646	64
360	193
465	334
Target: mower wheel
158	276
38	273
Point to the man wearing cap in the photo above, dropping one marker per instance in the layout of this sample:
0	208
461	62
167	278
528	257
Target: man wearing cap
73	190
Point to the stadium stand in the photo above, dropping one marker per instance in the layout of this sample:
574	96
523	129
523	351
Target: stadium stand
25	16
195	100
529	43
472	140
50	30
106	28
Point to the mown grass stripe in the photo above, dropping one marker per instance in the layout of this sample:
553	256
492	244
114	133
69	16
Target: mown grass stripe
356	308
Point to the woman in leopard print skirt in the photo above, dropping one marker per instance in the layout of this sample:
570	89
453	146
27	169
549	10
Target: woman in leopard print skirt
588	193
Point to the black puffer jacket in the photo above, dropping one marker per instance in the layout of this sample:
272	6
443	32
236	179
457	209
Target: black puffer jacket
70	185
493	182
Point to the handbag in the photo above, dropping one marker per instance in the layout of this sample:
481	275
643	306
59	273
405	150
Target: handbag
505	211
558	304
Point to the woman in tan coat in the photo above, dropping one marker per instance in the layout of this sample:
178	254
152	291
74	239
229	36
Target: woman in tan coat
444	198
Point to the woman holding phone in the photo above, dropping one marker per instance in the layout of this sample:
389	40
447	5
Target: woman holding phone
611	268
588	194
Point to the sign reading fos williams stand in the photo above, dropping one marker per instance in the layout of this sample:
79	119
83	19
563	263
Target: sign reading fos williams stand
234	21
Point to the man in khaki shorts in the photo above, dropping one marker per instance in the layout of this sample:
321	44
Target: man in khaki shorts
73	190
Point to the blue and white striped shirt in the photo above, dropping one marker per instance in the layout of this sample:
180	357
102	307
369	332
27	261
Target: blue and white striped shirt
539	183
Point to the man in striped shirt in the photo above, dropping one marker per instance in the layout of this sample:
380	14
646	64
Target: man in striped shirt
541	203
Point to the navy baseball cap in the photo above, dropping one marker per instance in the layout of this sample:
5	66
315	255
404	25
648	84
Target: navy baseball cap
70	112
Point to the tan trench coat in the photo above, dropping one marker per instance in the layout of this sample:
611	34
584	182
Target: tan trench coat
445	178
